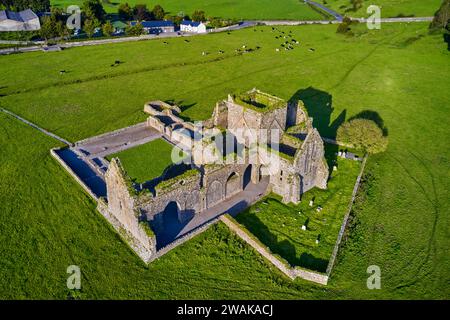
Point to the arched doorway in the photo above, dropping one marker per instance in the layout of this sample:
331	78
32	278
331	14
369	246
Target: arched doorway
171	214
233	185
247	176
263	172
214	194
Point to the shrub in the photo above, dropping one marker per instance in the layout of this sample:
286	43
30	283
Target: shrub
344	26
135	30
108	29
441	20
363	134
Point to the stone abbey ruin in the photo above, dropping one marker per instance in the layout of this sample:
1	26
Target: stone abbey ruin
254	143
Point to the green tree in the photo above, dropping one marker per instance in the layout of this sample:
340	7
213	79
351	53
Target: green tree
441	19
48	28
89	26
61	30
363	134
158	12
125	11
135	30
175	19
344	26
199	16
356	4
19	5
108	29
93	10
141	13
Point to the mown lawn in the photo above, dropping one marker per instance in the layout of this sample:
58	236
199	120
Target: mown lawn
234	9
147	161
399	73
279	226
389	8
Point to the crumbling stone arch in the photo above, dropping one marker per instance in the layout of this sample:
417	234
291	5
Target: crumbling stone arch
233	184
248	176
214	193
172	212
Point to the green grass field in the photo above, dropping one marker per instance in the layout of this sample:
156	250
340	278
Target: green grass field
147	161
278	225
47	222
389	8
235	9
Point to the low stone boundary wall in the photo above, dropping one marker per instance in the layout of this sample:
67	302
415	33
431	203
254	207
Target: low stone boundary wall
72	173
111	133
345	221
31	124
294	22
227	28
292	273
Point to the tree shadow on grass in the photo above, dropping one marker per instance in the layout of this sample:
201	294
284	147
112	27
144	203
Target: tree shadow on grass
319	105
285	248
447	40
308	261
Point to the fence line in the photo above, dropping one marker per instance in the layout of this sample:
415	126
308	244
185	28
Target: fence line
31	124
345	221
292	273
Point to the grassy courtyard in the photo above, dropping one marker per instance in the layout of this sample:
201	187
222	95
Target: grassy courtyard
279	226
399	73
235	9
147	161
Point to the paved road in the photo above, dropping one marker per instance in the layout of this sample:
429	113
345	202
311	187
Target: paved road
335	14
244	24
408	19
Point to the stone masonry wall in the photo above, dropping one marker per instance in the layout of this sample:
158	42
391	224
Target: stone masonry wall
122	206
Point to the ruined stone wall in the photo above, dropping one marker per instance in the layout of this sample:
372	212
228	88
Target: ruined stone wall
296	113
184	191
215	182
122	207
275	119
220	115
155	123
286	182
240	118
310	162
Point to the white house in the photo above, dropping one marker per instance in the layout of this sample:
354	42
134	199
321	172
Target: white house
25	20
191	26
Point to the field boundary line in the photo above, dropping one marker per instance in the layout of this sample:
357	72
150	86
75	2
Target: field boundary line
35	126
291	272
345	221
72	173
